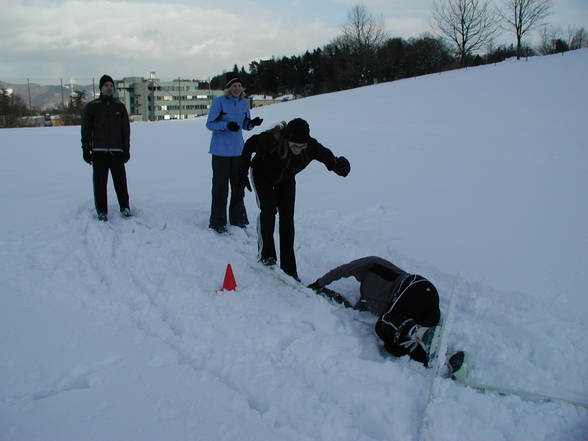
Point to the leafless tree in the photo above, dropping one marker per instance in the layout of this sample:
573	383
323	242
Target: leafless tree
577	38
521	16
364	29
363	34
467	24
548	35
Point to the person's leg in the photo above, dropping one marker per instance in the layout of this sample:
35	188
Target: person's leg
237	212
119	179
266	200
399	334
220	189
100	181
266	223
286	202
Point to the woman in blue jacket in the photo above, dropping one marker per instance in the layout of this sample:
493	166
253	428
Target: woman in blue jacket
228	116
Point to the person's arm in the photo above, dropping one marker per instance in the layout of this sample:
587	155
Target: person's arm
214	122
358	269
87	127
339	165
126	129
321	153
126	134
251	146
335	296
246	125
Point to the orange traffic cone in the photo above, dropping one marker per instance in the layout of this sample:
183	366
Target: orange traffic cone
229	283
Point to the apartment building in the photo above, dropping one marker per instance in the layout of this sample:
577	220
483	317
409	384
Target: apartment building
155	100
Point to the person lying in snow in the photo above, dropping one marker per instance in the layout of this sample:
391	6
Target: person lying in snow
407	307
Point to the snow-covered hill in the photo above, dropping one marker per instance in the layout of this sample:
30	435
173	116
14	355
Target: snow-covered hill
474	178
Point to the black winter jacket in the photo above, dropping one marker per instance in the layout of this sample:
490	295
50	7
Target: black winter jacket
105	125
269	163
381	283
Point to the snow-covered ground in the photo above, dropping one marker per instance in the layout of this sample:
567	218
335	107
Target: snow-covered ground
474	178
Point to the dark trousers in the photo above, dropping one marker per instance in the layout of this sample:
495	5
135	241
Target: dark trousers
225	170
393	331
273	199
102	162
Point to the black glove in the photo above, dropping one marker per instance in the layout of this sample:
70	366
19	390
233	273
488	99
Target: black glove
126	156
256	121
87	155
315	286
233	126
244	184
342	166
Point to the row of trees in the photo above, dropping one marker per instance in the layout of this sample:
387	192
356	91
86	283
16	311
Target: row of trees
14	112
364	53
336	67
12	107
472	24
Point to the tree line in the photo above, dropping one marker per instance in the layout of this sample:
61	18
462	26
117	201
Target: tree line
365	54
12	107
14	112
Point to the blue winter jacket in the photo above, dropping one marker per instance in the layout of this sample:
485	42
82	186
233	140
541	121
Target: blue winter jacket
224	109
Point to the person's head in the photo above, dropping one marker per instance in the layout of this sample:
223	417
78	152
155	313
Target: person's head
106	85
298	134
234	86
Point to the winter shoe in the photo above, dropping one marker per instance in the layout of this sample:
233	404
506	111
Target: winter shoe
102	217
424	337
456	366
268	261
126	212
220	229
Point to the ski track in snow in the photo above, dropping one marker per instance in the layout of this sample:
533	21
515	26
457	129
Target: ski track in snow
113	277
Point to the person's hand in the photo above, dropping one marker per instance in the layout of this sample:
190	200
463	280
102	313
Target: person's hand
342	166
87	155
244	184
126	156
233	126
256	121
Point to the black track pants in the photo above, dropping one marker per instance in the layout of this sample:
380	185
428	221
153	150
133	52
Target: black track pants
225	170
102	162
276	199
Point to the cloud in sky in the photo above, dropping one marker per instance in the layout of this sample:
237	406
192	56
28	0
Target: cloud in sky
54	39
46	40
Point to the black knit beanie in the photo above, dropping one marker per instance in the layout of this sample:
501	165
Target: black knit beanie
105	78
231	78
298	131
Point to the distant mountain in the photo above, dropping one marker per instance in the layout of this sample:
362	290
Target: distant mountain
46	97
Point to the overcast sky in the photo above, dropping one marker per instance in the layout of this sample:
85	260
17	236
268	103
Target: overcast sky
46	40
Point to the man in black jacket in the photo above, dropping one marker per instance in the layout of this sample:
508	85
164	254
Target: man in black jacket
105	145
281	153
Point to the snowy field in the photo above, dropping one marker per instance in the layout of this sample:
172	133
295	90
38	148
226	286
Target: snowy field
474	178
